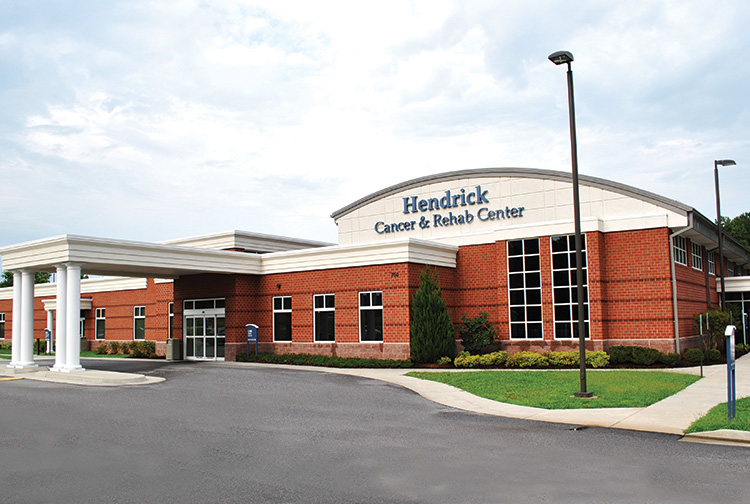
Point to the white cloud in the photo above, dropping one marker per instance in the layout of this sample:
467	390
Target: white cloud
155	120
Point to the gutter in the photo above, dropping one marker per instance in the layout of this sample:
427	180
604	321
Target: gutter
674	281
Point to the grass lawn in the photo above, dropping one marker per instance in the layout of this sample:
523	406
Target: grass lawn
555	389
717	418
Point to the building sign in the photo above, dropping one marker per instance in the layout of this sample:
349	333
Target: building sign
440	211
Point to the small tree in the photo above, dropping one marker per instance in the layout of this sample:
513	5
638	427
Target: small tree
476	332
432	333
717	321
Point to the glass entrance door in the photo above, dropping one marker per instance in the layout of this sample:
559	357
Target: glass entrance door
204	330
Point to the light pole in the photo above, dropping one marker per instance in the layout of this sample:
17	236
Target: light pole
722	162
559	58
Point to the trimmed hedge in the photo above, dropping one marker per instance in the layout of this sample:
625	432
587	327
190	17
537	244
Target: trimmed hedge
323	360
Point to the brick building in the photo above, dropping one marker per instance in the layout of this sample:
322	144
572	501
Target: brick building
501	241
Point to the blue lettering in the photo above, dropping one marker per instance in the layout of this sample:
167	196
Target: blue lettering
413	205
481	196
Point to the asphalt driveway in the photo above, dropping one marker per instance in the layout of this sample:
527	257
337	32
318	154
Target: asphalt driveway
218	433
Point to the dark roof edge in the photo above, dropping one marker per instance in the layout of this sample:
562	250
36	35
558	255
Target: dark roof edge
608	185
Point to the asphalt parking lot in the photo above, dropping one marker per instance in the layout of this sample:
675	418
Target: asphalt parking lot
220	433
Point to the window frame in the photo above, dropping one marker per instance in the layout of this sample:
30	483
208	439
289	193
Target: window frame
569	288
370	310
322	312
100	324
529	286
711	258
278	313
139	317
696	250
679	246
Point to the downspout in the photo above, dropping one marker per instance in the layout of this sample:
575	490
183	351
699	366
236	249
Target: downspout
674	281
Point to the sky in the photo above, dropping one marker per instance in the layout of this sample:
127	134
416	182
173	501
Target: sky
161	119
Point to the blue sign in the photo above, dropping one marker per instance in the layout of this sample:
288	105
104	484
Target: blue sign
47	334
252	335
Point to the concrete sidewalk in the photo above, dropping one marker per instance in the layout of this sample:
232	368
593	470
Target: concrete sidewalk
91	377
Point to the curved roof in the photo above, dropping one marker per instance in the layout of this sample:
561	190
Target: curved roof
608	185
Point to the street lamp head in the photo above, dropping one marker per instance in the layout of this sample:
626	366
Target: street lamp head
560	57
725	162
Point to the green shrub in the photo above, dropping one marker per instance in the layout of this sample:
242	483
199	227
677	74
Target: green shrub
432	332
670	359
563	359
102	349
445	360
643	356
323	360
465	359
741	349
114	347
715	320
693	355
526	359
476	332
498	358
621	355
713	355
597	359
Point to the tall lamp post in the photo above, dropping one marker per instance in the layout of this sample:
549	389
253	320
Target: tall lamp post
559	58
722	162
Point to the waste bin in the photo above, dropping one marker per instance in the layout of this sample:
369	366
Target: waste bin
84	345
174	349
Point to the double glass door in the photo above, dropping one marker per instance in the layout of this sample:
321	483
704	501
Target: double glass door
204	332
204	338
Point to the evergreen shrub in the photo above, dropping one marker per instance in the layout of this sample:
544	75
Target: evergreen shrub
432	332
476	332
643	356
693	355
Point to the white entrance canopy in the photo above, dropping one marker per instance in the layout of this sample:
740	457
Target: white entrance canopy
102	256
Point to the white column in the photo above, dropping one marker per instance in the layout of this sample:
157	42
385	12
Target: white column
62	316
50	328
72	338
15	354
27	320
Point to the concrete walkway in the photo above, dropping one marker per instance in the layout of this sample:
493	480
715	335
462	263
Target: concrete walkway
670	416
91	377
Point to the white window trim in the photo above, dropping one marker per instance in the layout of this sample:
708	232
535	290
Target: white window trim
371	307
282	310
137	316
711	263
524	289
680	250
324	309
100	315
573	305
697	255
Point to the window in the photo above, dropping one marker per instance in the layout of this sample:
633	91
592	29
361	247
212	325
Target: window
680	250
282	318
524	289
2	325
325	316
697	256
139	323
171	320
565	286
730	268
711	263
371	316
100	323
